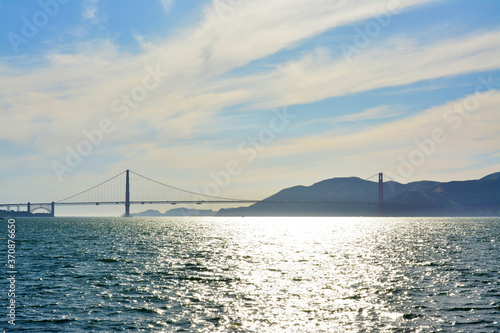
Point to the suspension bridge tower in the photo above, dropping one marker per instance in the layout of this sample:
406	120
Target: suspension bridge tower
127	195
381	194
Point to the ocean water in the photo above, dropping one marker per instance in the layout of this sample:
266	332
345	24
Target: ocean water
253	275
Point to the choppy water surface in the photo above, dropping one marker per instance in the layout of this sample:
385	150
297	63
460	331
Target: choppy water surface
256	275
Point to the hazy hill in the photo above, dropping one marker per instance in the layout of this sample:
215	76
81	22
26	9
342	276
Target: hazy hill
352	195
178	212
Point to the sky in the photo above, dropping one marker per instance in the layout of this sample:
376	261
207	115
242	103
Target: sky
241	98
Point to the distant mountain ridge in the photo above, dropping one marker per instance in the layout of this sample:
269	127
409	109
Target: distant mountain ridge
178	212
351	195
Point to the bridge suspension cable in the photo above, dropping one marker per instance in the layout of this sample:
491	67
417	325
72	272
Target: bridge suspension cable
142	189
86	195
197	196
375	176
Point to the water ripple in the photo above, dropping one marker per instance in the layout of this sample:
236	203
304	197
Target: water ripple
257	275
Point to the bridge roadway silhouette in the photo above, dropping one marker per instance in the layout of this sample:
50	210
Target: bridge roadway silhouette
114	188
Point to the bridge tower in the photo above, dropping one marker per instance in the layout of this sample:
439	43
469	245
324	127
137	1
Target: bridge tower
381	193
127	195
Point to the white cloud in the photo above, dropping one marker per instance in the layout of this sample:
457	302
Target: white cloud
379	112
379	147
317	76
194	56
90	9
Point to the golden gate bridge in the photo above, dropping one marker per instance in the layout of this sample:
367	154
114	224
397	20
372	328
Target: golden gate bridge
137	189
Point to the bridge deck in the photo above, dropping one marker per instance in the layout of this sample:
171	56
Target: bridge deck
198	202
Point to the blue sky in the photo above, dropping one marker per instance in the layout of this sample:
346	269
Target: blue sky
408	88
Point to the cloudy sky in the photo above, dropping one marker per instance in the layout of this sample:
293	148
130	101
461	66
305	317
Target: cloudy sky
274	93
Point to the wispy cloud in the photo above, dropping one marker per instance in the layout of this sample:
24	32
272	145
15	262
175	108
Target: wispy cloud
383	144
90	9
318	76
379	112
193	57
